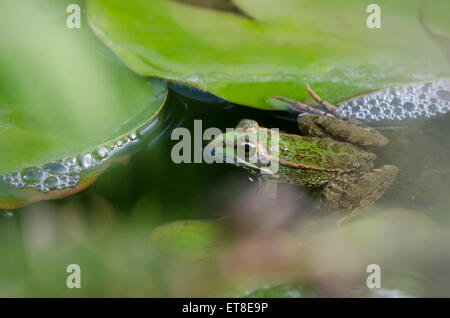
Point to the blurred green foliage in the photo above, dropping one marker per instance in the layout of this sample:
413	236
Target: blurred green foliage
246	51
61	91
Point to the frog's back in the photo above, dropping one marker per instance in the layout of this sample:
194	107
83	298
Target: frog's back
324	154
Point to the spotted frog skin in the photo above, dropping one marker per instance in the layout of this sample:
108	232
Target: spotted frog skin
327	155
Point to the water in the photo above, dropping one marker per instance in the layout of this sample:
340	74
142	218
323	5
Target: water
105	228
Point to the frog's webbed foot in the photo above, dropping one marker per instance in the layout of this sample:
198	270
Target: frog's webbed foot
330	107
349	195
300	107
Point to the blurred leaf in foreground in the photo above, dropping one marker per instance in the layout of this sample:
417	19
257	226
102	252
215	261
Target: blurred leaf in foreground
68	108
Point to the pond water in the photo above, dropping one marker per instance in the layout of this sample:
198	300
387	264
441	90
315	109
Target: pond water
105	228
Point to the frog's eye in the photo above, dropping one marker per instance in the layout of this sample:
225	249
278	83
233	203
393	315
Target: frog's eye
248	148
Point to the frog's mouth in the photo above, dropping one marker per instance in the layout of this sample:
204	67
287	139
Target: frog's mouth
258	168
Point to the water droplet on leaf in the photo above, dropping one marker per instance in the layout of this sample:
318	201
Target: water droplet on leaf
51	183
54	168
85	160
101	153
31	175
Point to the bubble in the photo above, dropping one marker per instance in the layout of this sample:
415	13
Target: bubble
356	109
409	106
119	143
51	183
375	110
101	153
85	160
74	175
71	161
398	111
133	136
402	103
54	168
433	108
396	101
443	94
31	175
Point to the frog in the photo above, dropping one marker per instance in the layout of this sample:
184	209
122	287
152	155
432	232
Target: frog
328	155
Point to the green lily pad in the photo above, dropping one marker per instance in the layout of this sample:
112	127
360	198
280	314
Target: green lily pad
68	108
246	51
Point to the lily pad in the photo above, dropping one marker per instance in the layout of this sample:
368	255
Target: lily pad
68	107
246	51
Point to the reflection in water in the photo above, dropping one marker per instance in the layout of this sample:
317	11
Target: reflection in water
421	150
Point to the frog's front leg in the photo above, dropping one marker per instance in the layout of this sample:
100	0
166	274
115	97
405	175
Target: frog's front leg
348	194
317	123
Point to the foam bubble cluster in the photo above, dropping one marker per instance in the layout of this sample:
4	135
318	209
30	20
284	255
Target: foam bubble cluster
66	173
422	100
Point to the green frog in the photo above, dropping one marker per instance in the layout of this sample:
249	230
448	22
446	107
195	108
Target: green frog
328	155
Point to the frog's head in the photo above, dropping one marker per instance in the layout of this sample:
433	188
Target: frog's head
247	146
